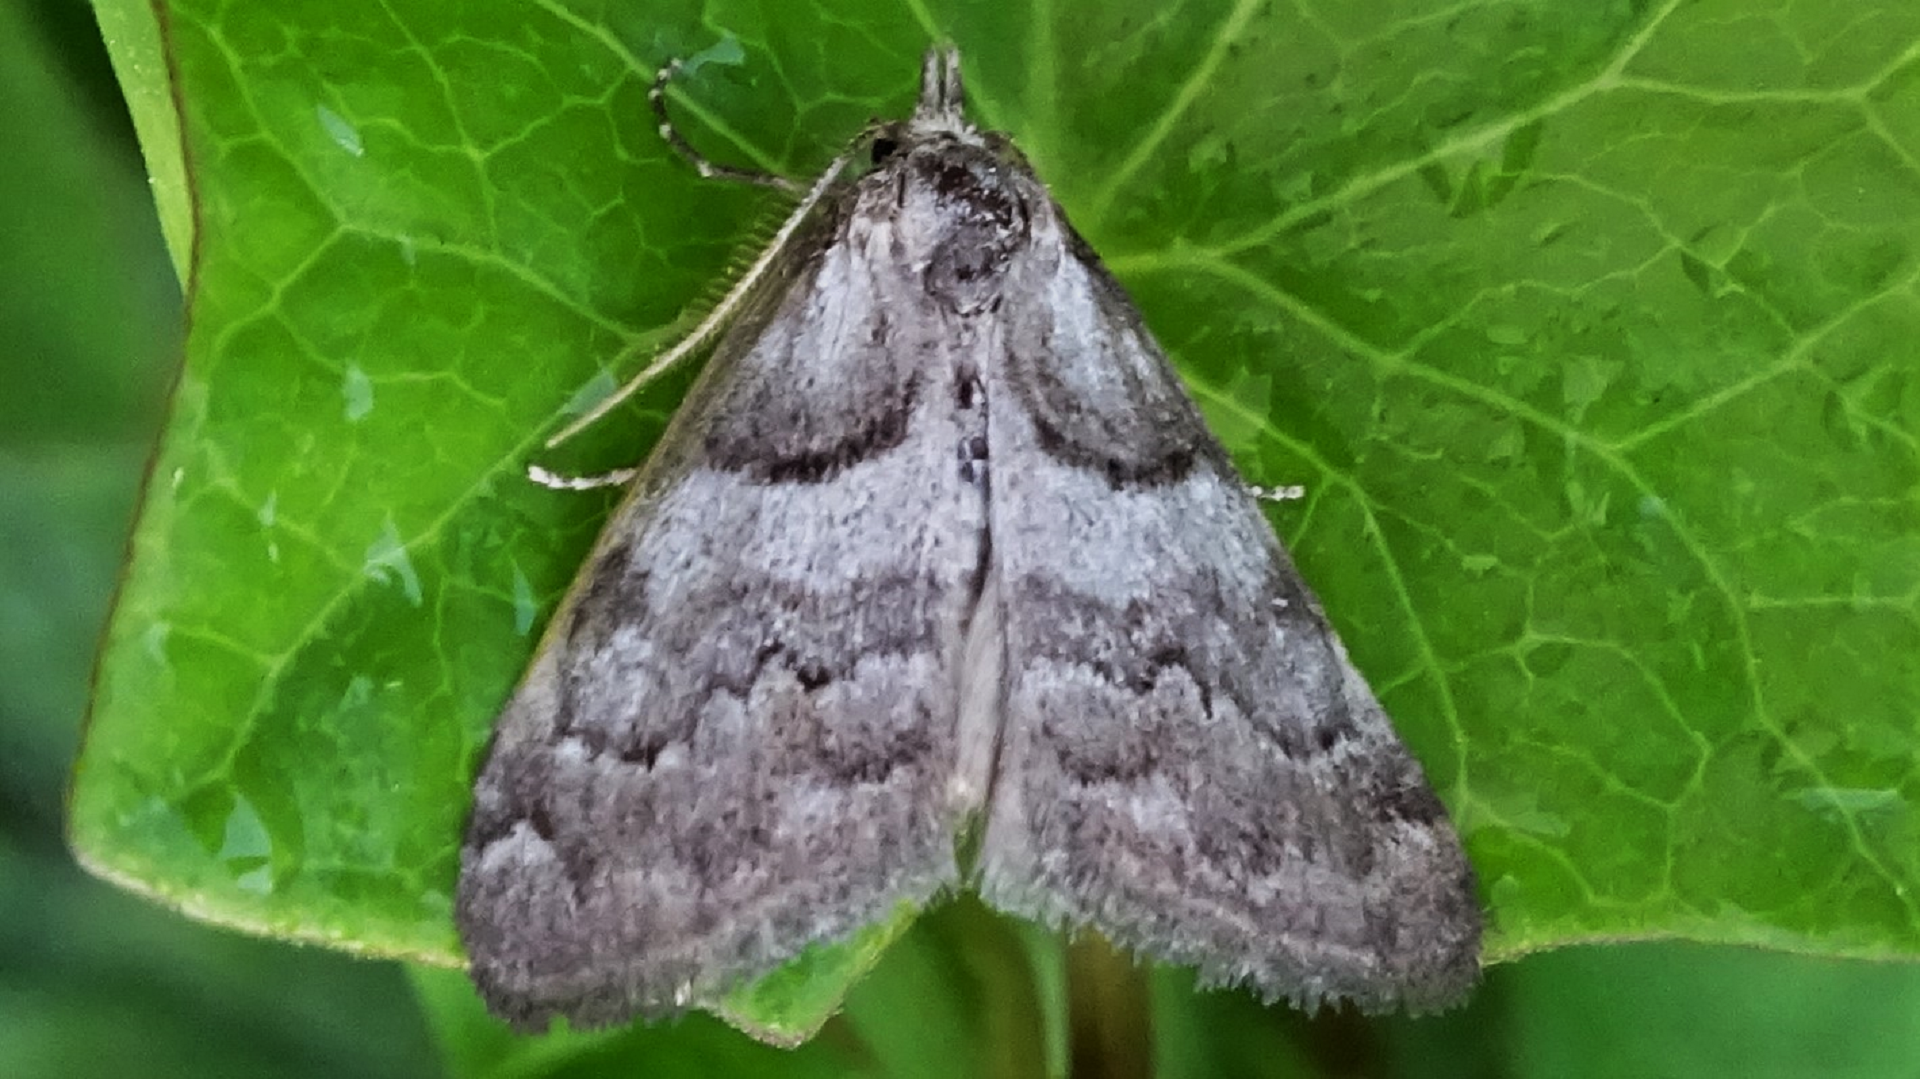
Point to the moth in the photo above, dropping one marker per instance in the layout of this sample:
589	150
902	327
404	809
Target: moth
938	557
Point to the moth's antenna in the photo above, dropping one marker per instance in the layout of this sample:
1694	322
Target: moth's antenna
722	310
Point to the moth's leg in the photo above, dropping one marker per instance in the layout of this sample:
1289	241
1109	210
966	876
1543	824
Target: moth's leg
743	287
1284	493
657	98
722	311
619	477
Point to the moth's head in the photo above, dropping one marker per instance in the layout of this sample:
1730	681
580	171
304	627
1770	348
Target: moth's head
969	195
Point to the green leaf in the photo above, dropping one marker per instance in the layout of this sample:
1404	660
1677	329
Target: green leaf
787	1006
96	982
139	54
476	1046
1589	330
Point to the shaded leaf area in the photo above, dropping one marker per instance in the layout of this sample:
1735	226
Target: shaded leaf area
949	1001
1588	329
1581	1013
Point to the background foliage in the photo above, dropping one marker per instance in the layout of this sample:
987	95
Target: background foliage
1598	342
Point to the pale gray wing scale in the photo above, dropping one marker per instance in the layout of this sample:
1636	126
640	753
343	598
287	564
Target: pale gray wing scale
739	735
1189	762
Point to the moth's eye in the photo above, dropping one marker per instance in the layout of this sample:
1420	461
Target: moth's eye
884	146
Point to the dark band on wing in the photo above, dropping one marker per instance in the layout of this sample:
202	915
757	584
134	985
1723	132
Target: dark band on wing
774	446
1138	647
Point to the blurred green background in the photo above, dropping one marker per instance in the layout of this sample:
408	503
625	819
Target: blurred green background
94	981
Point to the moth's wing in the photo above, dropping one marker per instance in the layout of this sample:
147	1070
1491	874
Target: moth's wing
739	735
1189	762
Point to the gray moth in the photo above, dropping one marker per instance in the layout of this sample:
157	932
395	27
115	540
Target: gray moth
937	579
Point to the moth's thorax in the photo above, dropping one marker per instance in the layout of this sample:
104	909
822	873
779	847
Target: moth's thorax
961	214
